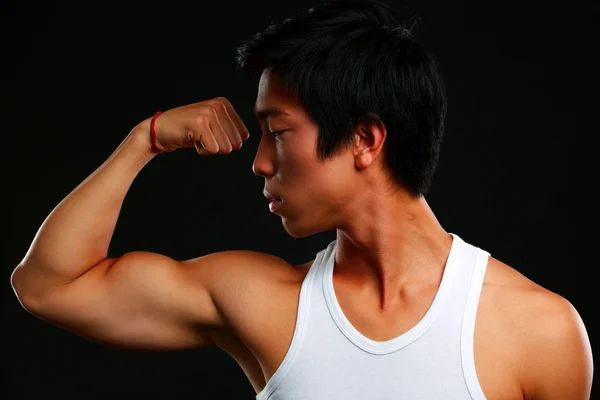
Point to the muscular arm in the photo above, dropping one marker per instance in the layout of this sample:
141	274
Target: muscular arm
76	235
140	300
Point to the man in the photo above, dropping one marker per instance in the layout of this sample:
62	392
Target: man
352	111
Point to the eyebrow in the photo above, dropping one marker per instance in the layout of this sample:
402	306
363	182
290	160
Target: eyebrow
269	112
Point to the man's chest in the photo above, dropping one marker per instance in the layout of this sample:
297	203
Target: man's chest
260	352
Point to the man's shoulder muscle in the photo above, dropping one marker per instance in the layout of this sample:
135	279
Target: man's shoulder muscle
245	285
541	324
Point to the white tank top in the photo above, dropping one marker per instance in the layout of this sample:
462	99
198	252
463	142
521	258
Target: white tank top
328	359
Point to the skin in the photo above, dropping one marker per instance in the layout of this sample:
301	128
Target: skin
529	343
349	194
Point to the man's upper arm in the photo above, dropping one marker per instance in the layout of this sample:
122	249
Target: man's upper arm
559	353
141	301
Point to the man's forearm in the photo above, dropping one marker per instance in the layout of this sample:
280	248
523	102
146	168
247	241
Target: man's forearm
76	234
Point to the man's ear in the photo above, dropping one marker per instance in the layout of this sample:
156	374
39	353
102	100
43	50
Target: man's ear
369	138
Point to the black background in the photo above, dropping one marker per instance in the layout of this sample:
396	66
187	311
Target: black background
79	77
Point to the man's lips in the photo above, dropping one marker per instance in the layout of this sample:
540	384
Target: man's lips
270	196
274	204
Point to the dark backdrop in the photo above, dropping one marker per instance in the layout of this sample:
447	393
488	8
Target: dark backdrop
80	78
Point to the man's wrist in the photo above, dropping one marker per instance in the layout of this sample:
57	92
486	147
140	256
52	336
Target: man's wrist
141	135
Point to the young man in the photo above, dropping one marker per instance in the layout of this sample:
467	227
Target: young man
352	111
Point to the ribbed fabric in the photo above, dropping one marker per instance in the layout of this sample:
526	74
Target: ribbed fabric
329	359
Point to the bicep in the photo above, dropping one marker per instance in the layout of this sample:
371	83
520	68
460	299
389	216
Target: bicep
142	301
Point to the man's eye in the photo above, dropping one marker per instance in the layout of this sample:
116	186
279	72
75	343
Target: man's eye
276	133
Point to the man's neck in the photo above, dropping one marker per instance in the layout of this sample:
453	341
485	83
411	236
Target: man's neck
390	247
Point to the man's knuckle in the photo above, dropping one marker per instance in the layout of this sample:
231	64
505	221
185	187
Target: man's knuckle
202	120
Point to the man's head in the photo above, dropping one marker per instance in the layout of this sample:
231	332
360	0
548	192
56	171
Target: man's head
365	104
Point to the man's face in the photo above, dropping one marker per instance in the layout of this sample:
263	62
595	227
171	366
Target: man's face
314	194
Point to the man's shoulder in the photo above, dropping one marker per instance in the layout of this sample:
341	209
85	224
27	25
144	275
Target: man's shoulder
512	287
244	279
545	328
269	266
252	266
254	292
522	300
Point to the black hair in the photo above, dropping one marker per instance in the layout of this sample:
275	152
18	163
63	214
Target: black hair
350	61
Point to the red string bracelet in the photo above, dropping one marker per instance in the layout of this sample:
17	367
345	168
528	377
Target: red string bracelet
153	134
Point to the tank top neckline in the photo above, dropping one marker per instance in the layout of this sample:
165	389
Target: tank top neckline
406	338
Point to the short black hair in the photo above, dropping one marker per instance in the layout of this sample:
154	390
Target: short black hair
349	61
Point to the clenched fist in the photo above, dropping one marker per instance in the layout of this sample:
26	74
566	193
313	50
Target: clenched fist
211	126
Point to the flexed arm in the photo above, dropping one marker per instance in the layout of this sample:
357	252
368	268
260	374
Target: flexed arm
141	299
